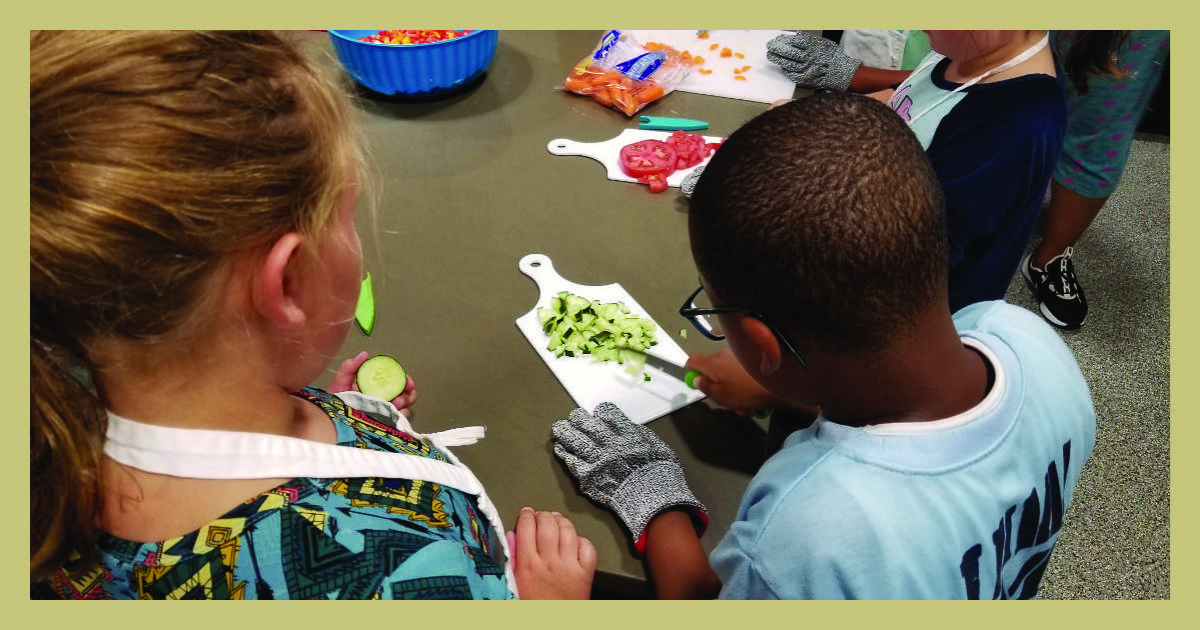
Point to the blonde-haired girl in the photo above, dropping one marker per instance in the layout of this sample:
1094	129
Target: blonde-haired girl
193	266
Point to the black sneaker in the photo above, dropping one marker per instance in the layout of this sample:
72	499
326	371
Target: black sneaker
1057	290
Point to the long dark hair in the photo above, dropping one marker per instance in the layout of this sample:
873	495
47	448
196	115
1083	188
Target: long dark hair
1087	54
154	157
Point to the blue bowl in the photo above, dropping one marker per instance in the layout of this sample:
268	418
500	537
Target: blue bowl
415	69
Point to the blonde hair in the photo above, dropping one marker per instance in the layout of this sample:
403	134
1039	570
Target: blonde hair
154	157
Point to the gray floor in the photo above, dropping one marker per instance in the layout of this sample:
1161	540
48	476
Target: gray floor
1116	539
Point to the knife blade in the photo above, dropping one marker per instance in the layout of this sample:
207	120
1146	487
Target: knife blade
672	369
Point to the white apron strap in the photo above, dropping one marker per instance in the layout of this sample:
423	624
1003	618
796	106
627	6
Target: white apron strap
215	454
1020	58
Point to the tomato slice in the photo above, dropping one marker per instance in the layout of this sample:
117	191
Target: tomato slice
648	157
652	161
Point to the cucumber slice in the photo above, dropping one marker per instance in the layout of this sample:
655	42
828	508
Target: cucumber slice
382	377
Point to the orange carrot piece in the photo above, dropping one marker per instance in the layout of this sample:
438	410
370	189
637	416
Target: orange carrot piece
740	77
705	71
739	55
714	47
703	35
725	52
650	93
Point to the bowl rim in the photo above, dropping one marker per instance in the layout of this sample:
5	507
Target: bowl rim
340	34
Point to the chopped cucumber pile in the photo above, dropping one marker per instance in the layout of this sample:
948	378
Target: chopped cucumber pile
607	332
381	377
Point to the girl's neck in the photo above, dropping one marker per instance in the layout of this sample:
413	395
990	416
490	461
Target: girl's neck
222	388
963	70
232	384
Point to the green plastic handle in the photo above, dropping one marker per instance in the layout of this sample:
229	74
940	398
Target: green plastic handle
662	122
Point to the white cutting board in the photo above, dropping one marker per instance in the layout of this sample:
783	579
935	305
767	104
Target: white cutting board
590	384
608	152
765	82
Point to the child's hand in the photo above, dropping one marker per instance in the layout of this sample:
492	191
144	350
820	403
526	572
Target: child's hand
728	384
343	381
550	561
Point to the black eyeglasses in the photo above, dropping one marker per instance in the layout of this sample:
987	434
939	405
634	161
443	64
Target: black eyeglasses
698	315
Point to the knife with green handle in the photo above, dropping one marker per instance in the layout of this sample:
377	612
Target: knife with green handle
671	369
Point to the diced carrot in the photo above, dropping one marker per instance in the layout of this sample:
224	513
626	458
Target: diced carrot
740	77
714	47
703	35
699	60
737	70
745	68
705	71
739	55
725	52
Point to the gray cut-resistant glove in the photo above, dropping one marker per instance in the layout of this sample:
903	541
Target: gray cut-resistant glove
688	184
624	466
811	61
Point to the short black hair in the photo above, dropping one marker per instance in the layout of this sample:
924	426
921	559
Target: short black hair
825	215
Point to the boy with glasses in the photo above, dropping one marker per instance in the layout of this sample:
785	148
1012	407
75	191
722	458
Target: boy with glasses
947	446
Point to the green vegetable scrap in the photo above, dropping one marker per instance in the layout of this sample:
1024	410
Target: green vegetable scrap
607	332
364	311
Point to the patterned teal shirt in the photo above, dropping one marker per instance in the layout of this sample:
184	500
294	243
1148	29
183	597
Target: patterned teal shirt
357	538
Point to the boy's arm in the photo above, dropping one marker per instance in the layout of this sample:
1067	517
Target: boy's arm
631	470
678	565
868	79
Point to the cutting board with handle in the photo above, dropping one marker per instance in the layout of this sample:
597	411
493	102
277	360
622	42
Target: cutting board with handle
590	383
608	152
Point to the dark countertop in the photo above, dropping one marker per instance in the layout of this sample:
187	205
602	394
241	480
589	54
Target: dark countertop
463	188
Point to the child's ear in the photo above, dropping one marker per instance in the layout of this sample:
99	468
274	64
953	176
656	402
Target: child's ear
765	341
275	279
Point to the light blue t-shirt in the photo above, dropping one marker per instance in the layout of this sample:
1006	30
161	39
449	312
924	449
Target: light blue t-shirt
960	508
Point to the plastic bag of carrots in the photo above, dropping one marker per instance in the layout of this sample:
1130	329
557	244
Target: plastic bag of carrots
626	75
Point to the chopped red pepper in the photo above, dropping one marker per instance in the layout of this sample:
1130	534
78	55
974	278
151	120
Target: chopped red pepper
404	37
